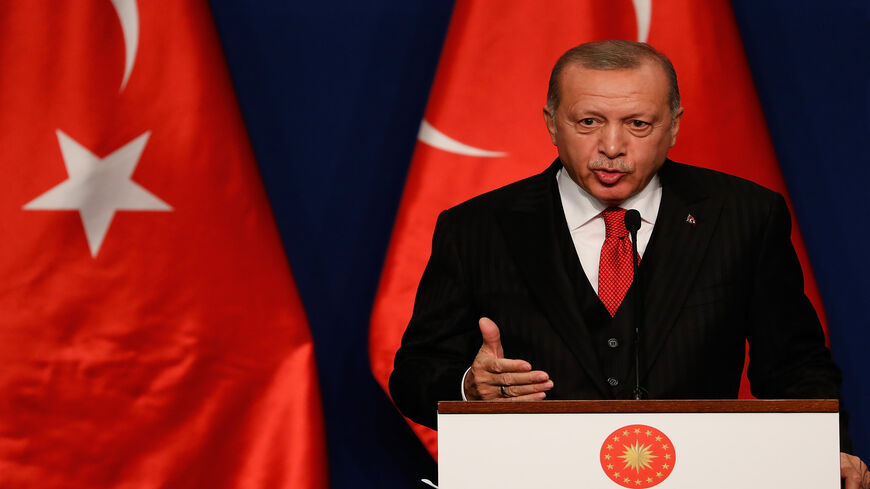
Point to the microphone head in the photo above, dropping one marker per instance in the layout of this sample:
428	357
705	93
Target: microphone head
632	220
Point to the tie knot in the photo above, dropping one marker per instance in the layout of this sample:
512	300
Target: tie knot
614	222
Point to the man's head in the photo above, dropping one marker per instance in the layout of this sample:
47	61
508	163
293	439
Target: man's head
613	111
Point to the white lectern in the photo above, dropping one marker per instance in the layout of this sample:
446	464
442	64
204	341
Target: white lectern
639	444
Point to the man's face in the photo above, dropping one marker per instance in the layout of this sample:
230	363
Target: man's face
613	128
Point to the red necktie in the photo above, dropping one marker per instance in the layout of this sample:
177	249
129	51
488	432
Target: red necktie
615	268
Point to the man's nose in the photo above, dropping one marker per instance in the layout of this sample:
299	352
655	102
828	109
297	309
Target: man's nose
612	141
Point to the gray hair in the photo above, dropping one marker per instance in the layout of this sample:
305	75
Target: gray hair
612	55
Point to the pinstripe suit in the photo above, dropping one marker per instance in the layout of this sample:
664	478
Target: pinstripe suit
709	286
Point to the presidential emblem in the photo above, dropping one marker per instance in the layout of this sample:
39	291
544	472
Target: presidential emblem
637	456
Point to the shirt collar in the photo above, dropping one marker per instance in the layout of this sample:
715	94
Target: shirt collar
580	207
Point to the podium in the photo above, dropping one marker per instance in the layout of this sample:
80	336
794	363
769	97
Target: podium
707	444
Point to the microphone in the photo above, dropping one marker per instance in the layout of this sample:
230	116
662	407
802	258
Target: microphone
632	223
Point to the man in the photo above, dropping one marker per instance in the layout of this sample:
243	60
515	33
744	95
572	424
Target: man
539	271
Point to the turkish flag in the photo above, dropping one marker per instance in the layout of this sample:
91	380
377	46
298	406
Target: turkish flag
483	126
151	334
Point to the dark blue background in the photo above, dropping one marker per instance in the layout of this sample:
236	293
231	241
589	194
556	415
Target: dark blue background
333	94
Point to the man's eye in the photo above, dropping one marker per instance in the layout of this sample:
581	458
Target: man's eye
587	121
636	124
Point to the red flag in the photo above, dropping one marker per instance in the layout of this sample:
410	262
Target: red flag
483	126
151	333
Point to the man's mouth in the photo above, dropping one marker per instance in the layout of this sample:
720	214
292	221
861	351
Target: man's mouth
608	177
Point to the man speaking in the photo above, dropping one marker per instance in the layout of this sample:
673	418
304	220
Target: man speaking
530	291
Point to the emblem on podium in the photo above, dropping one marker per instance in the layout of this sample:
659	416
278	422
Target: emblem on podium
637	456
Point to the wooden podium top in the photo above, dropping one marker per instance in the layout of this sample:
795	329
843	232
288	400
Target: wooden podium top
653	406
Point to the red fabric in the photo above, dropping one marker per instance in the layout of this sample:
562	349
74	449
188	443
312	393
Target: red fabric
615	269
488	93
179	355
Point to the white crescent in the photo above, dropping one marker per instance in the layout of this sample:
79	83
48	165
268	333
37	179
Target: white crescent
643	12
128	13
437	139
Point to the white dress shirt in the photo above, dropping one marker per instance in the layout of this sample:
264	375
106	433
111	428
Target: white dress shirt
586	224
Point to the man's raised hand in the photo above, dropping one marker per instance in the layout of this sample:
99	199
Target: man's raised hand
494	377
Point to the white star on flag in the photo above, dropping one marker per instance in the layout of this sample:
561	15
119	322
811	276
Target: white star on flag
98	187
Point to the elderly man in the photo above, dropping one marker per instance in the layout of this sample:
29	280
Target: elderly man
538	273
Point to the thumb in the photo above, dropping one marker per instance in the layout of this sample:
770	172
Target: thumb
491	337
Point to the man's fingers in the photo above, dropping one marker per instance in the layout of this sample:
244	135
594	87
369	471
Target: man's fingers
504	365
854	472
521	378
526	389
491	337
537	396
865	474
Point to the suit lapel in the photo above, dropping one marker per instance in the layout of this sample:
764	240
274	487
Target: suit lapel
683	228
530	228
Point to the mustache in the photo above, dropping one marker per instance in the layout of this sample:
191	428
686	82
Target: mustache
620	164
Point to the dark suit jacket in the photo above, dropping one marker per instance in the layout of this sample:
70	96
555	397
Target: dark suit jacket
732	276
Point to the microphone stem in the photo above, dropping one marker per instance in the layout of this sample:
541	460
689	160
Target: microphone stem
632	224
638	308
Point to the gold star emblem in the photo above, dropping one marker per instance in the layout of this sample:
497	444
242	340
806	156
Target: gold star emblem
616	474
664	446
666	466
626	480
610	467
658	474
649	433
637	481
667	456
625	432
609	446
637	456
637	431
649	479
658	438
615	438
606	456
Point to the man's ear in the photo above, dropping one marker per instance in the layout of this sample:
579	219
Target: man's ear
550	121
675	126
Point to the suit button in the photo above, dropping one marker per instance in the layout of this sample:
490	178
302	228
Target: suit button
612	343
613	382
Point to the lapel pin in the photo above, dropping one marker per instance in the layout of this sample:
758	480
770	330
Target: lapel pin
691	220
